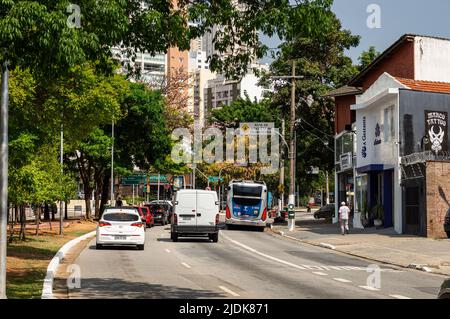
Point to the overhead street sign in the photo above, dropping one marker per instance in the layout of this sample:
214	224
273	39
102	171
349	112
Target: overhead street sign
214	179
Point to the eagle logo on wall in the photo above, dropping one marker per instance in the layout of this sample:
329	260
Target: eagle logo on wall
436	139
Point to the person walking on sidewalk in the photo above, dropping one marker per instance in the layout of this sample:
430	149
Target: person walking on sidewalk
344	215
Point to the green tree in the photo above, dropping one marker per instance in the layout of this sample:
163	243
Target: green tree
367	57
244	110
321	60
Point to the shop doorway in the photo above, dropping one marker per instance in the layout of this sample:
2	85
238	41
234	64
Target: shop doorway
388	198
412	210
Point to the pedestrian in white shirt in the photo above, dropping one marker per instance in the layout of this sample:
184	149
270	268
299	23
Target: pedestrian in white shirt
344	215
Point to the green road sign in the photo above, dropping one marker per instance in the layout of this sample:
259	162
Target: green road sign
141	178
291	207
214	179
291	215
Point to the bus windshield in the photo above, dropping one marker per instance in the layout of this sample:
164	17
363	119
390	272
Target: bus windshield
247	195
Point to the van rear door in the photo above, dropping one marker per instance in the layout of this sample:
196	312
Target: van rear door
186	209
207	209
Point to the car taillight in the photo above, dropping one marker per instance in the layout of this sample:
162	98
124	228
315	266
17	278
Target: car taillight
137	224
175	219
217	219
227	212
102	224
264	214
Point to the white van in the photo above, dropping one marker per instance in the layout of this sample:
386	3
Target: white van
196	213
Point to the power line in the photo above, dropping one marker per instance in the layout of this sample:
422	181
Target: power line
316	137
329	135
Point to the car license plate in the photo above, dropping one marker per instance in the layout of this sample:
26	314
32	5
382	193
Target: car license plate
120	237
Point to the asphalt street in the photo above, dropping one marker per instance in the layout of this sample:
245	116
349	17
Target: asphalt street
243	264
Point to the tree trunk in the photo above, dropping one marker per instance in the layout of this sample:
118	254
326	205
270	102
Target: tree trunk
87	200
46	212
66	210
97	203
54	211
105	190
12	224
22	223
37	214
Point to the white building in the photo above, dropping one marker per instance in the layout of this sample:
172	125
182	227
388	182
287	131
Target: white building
221	91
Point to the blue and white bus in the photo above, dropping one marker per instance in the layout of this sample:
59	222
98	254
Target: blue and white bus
247	204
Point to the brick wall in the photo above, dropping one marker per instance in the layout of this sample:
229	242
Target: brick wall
437	197
343	114
399	63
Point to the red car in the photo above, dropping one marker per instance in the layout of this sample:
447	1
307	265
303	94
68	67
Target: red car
146	215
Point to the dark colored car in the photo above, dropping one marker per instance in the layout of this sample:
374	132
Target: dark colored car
447	224
160	212
326	212
444	293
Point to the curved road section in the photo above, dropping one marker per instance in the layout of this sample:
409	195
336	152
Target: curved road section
243	264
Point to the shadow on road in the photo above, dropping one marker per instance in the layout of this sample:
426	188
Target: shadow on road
124	247
187	239
109	288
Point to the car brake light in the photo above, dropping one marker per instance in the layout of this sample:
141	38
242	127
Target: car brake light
103	224
264	214
137	224
217	219
227	212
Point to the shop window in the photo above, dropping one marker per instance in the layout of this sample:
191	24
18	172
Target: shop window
389	128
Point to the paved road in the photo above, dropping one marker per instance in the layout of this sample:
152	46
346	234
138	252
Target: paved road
244	264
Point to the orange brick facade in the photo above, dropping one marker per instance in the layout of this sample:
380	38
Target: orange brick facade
437	197
399	63
343	115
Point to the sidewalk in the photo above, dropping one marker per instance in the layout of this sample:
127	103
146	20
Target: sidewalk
378	245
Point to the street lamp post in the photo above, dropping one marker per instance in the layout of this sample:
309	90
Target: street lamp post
3	177
112	161
61	161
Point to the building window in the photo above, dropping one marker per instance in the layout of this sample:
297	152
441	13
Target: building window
389	129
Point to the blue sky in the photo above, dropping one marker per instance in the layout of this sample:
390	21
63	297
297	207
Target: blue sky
424	17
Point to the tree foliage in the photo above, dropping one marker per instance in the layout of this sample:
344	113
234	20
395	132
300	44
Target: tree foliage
367	57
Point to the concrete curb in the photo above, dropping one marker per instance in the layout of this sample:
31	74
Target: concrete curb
47	290
425	268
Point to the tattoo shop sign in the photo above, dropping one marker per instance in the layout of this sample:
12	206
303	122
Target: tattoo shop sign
436	128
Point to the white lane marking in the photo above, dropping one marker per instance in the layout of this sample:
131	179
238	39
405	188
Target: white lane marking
301	267
320	273
167	250
264	255
399	297
186	265
369	288
342	280
231	292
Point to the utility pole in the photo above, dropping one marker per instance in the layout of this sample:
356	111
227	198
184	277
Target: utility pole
281	199
61	162
3	176
159	176
327	188
292	150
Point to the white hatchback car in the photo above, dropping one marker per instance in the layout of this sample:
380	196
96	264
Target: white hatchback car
121	226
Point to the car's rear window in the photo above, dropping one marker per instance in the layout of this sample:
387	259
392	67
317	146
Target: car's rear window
121	217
